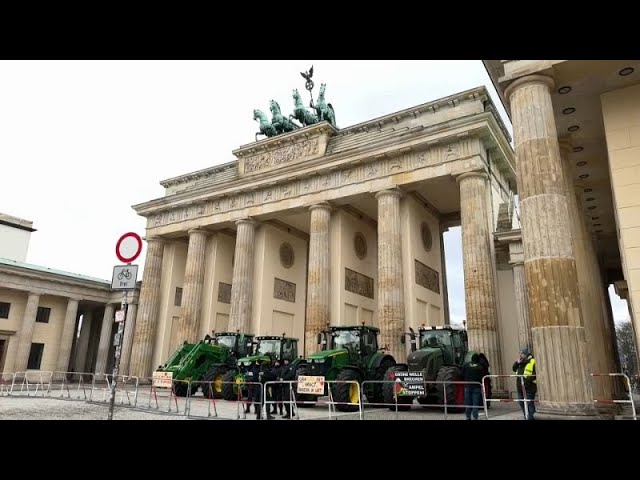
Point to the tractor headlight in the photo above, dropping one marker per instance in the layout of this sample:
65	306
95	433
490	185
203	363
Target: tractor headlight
320	360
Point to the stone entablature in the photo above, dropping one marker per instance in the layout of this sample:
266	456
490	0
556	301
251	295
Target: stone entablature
449	149
16	278
292	148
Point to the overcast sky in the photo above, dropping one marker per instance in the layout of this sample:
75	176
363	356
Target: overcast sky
83	141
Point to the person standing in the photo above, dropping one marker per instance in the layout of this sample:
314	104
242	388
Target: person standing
526	383
473	371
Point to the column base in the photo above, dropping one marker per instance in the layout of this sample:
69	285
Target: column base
566	411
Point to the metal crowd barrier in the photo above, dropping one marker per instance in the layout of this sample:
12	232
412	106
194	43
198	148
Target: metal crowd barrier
63	385
510	400
33	382
7	381
447	407
629	389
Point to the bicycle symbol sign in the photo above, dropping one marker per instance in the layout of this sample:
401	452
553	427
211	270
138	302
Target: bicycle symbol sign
124	277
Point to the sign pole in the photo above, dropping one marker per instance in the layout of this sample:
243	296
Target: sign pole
116	364
124	278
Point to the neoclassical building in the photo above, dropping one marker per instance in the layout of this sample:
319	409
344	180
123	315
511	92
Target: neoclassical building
577	142
52	320
344	225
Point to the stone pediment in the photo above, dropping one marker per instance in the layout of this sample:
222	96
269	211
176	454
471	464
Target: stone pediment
283	150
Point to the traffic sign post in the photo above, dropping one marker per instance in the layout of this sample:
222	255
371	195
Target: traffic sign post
124	278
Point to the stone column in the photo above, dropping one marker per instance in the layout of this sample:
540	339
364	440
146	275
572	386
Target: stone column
147	320
105	339
522	306
66	338
127	339
590	291
79	364
242	282
193	280
564	387
479	283
26	333
318	307
445	288
390	283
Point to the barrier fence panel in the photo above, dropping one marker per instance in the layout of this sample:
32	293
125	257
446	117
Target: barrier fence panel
70	385
528	403
616	401
7	381
424	394
32	382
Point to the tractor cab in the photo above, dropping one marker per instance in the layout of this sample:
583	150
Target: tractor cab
268	348
452	342
278	348
360	341
240	344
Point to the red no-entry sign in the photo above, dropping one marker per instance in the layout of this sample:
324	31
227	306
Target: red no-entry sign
128	247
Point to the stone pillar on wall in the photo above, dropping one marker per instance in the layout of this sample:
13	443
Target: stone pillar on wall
445	289
516	259
592	302
193	280
25	336
147	319
105	339
390	284
318	307
80	360
559	342
127	339
66	338
477	259
242	282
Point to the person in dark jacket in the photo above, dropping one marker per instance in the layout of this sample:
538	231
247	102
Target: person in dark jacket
254	396
276	389
265	374
473	371
526	384
288	374
484	361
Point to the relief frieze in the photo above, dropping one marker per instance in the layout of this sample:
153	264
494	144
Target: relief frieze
287	154
283	290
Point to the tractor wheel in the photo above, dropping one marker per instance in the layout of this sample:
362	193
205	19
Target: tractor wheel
346	393
449	374
230	386
215	375
375	391
181	389
309	400
404	402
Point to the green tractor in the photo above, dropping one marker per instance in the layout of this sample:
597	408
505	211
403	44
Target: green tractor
266	349
238	345
197	361
442	352
347	353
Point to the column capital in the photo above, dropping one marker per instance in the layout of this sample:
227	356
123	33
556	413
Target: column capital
247	220
198	230
74	299
321	206
396	192
475	174
529	79
155	239
35	293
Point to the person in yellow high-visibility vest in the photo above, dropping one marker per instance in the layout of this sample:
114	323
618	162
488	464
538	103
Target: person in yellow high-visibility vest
526	385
